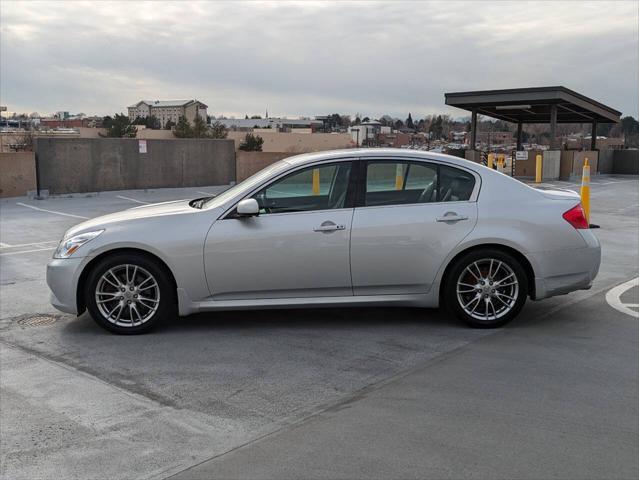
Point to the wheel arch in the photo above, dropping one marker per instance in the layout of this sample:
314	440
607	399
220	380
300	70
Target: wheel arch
79	295
520	257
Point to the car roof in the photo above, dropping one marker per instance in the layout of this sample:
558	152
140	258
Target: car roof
305	158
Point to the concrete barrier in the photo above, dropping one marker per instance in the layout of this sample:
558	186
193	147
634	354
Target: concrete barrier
17	173
248	163
572	162
605	161
551	163
70	165
625	162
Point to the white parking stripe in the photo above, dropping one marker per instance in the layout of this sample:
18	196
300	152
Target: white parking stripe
205	193
52	211
34	244
132	199
4	254
613	298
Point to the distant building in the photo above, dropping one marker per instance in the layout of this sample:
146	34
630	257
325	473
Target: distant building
365	133
277	124
165	110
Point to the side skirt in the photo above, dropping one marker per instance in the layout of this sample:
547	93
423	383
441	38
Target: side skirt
188	307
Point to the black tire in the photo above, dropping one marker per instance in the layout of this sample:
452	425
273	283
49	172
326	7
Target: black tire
481	258
165	306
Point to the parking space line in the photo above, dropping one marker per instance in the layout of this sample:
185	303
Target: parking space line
132	199
33	244
4	254
613	297
52	211
205	193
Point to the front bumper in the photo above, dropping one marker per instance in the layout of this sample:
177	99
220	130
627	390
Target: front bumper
563	271
62	278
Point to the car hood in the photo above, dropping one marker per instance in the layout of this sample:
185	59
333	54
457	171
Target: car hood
176	207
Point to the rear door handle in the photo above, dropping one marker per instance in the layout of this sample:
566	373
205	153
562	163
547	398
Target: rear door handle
453	217
328	227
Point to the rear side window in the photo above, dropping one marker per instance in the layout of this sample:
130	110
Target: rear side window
455	185
405	182
398	183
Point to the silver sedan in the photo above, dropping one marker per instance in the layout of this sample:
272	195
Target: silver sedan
343	228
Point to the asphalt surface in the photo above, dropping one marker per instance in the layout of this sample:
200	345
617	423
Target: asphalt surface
337	393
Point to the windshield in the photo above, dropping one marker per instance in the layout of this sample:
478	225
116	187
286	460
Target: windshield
247	184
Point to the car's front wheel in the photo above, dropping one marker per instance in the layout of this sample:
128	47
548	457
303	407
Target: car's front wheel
486	288
128	293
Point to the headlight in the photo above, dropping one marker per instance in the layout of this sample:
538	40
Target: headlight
69	245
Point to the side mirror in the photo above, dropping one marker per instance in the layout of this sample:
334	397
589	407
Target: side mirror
248	208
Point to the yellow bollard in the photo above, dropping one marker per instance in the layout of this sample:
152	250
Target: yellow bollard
399	177
490	160
538	164
316	181
585	189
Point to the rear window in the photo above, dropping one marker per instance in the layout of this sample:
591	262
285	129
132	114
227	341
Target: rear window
455	185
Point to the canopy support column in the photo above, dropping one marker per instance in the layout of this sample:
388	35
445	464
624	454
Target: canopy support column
593	136
473	129
519	135
553	127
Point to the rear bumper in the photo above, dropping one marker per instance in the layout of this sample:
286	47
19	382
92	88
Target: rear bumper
62	278
563	271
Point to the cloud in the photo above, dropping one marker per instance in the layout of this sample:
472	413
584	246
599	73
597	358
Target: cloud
304	58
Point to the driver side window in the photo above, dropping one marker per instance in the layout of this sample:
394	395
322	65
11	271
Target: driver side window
315	188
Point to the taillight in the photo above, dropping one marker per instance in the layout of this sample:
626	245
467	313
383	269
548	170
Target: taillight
576	217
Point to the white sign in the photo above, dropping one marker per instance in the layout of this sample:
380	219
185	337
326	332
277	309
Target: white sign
521	155
142	145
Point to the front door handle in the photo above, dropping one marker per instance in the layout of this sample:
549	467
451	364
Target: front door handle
328	227
451	217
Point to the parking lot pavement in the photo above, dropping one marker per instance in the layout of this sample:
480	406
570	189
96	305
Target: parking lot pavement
317	393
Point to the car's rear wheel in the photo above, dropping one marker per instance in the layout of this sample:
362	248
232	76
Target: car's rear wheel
486	288
129	294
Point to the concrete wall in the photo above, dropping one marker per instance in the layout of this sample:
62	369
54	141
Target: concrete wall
298	142
70	165
625	162
248	163
17	174
473	155
605	161
572	162
550	165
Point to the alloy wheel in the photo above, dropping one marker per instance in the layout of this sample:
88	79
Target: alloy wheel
127	295
487	289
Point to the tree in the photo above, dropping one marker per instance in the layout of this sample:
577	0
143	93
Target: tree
169	124
119	127
630	129
409	121
256	117
252	143
200	128
398	124
218	130
183	128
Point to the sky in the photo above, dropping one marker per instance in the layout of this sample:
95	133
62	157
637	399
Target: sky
308	58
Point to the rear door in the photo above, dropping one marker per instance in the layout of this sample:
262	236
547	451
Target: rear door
409	215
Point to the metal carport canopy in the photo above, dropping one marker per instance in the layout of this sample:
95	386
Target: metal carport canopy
534	105
551	105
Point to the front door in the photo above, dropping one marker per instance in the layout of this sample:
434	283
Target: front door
298	246
410	215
